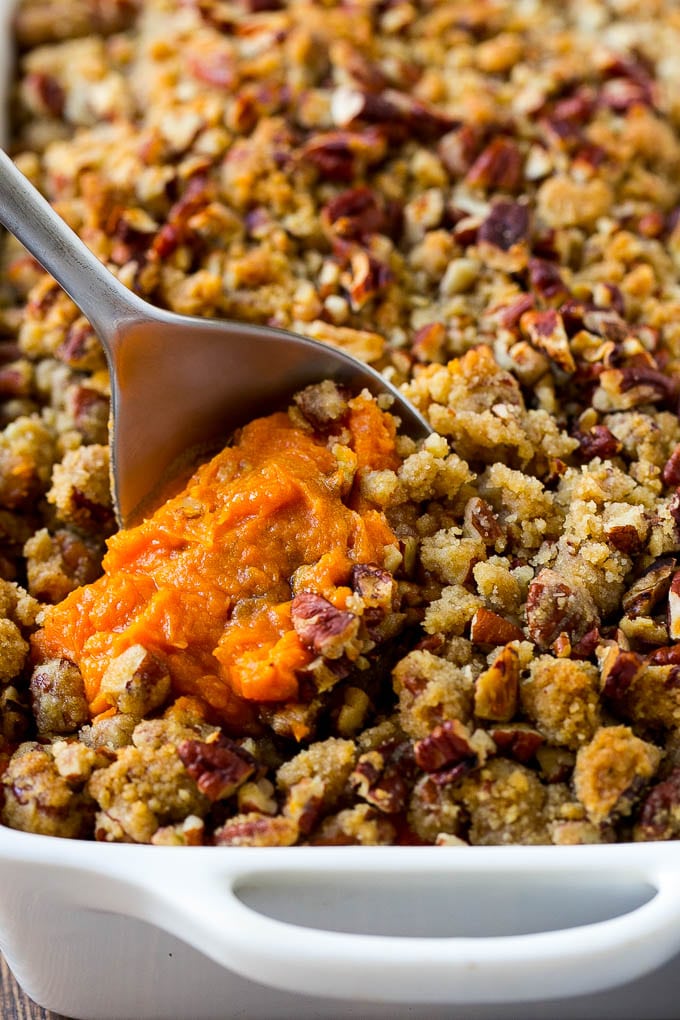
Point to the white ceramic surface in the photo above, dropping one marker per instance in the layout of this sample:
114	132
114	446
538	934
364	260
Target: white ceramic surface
152	933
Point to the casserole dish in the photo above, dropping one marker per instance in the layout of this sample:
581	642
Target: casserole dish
106	931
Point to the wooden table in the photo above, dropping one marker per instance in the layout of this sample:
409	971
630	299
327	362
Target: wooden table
14	1004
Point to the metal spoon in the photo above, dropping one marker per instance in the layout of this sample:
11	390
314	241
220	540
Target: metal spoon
177	383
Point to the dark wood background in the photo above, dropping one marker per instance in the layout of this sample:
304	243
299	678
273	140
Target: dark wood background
14	1005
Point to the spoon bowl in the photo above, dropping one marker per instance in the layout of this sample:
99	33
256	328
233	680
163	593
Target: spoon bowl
178	383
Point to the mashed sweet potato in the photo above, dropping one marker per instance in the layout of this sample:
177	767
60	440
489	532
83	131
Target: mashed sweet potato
205	583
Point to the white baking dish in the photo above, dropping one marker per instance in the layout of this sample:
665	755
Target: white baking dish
111	931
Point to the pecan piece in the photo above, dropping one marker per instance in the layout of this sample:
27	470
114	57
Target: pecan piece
633	385
376	588
554	607
598	442
367	278
341	155
545	279
254	829
618	669
509	315
546	331
136	681
496	689
175	231
480	518
519	742
506	225
358	213
218	768
487	628
498	166
321	627
448	744
458	149
668	656
397	113
47	91
381	777
659	815
671	471
650	588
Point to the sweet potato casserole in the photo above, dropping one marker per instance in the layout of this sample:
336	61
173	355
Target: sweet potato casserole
471	640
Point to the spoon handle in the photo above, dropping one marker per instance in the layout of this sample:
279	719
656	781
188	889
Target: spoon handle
100	296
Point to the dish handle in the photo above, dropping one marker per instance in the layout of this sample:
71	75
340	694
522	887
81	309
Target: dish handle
459	935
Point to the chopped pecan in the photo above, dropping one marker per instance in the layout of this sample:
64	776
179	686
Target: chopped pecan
498	166
667	656
175	231
599	441
518	741
381	777
671	471
644	385
342	155
659	814
325	630
553	607
218	768
305	803
546	281
575	109
496	689
509	315
586	646
480	518
366	278
448	744
48	92
506	225
650	588
606	322
398	114
625	537
629	82
254	829
376	588
357	213
136	681
545	330
459	148
618	669
487	628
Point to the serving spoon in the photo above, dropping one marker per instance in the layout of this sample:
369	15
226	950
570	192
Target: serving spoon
178	383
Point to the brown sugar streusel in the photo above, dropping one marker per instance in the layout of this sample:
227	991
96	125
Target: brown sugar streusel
483	203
